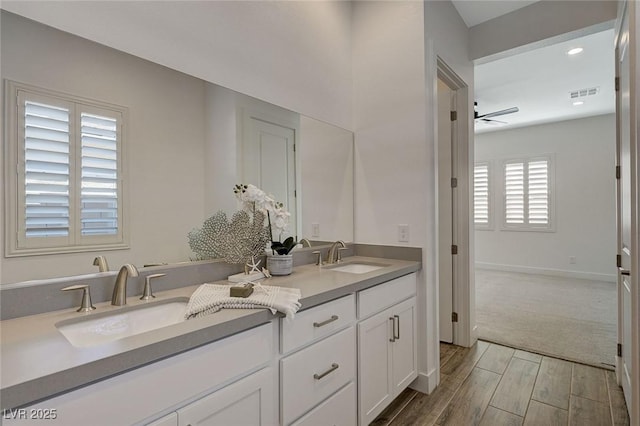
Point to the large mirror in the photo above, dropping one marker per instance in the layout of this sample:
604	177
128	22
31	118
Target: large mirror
187	143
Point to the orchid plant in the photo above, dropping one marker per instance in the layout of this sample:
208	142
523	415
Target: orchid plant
254	199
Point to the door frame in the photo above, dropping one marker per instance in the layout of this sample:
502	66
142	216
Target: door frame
633	15
464	330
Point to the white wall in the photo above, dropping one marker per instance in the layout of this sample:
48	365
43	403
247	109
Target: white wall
164	146
584	153
394	45
538	24
293	54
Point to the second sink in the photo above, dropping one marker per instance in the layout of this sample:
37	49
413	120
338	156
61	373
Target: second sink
357	267
106	327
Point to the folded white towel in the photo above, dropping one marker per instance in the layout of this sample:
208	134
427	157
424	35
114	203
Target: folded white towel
210	298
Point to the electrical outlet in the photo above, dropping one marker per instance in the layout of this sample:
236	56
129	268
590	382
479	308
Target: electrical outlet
315	230
403	233
572	260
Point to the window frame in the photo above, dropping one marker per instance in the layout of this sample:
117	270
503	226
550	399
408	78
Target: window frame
489	226
16	242
527	227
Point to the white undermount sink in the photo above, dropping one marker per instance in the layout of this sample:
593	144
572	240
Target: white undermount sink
357	267
99	328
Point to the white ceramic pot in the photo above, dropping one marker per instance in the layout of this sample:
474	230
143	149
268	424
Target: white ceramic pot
280	264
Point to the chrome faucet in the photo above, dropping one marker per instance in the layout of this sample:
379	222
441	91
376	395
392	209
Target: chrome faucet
119	297
334	252
305	242
101	263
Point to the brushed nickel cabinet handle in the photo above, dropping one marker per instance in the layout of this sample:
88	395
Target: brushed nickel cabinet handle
393	329
325	322
334	367
396	317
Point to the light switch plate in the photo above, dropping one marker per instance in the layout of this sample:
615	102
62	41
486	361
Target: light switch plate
315	230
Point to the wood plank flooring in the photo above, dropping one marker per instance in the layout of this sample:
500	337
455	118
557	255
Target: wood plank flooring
493	385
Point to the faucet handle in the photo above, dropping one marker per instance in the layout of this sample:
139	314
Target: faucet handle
319	254
147	292
85	305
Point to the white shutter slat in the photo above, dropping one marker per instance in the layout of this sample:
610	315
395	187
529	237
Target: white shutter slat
514	192
99	194
538	189
46	167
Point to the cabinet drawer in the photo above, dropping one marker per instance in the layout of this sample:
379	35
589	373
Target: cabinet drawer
338	410
313	374
317	322
377	298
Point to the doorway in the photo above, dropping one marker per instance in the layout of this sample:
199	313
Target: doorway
453	247
545	277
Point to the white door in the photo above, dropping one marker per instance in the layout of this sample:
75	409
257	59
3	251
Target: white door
403	350
626	213
268	161
374	358
445	211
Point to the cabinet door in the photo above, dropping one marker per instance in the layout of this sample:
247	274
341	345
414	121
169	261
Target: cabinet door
248	401
404	349
374	356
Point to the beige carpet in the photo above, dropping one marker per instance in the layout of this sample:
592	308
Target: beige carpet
567	318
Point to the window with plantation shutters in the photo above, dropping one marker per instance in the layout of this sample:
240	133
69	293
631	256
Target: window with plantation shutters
527	194
65	157
482	214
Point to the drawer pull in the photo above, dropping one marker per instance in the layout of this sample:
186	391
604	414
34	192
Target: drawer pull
393	329
325	322
334	367
397	337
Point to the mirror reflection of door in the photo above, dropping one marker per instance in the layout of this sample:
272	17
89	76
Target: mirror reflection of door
268	161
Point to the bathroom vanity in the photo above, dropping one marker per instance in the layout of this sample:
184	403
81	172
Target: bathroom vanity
346	355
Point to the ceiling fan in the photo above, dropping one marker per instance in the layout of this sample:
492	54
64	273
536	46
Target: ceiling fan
486	118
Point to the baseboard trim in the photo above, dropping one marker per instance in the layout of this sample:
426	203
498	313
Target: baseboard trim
544	271
425	383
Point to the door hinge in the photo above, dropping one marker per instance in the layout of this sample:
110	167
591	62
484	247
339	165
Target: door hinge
618	261
454	115
617	172
454	182
617	83
295	194
294	147
454	249
454	317
619	349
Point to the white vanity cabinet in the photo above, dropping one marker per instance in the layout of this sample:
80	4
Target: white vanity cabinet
387	350
204	382
317	376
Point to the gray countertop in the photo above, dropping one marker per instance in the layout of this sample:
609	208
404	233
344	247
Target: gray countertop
38	362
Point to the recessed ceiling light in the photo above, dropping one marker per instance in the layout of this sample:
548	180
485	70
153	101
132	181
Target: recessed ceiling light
578	103
575	51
